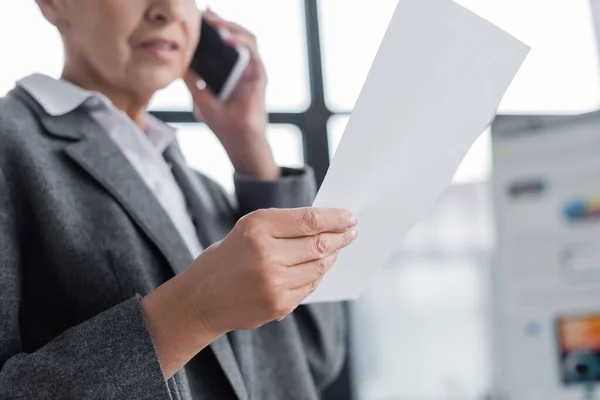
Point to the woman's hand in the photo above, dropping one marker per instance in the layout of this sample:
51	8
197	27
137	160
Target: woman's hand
240	123
269	263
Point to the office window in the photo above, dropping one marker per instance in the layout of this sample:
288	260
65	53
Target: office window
282	46
351	31
476	166
35	46
29	43
561	74
203	151
421	331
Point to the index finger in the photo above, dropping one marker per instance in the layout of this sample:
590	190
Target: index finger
302	222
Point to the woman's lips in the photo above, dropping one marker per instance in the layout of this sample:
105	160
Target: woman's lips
162	49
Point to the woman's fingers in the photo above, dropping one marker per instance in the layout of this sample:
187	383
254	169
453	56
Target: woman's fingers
311	248
232	27
234	35
297	296
310	273
302	222
205	102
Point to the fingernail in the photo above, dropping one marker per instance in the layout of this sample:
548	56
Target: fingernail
352	221
353	234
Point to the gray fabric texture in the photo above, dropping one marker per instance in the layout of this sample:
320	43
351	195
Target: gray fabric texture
82	239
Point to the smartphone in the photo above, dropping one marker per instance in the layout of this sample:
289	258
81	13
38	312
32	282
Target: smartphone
220	65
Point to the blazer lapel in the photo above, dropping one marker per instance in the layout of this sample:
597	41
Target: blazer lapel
213	226
93	150
104	162
242	343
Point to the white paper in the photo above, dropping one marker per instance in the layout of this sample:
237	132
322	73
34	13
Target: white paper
434	87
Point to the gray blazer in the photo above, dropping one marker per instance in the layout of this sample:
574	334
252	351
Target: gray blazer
82	239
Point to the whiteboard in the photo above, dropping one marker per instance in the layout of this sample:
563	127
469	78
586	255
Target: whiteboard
546	184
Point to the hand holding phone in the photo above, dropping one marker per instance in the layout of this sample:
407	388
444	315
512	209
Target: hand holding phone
229	65
218	64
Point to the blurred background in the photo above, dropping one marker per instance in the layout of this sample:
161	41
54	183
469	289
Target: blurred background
428	327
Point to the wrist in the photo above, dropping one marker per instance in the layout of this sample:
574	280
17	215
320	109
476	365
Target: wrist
252	156
177	332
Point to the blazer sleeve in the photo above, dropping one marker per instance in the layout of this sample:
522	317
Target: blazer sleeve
296	188
323	327
107	357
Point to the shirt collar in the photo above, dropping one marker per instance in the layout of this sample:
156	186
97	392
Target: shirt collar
60	97
159	133
57	97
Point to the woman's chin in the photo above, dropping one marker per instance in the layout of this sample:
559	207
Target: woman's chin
153	81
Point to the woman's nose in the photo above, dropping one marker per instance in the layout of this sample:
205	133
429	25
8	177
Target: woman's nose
165	11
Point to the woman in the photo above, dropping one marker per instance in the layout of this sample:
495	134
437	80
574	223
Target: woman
100	222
